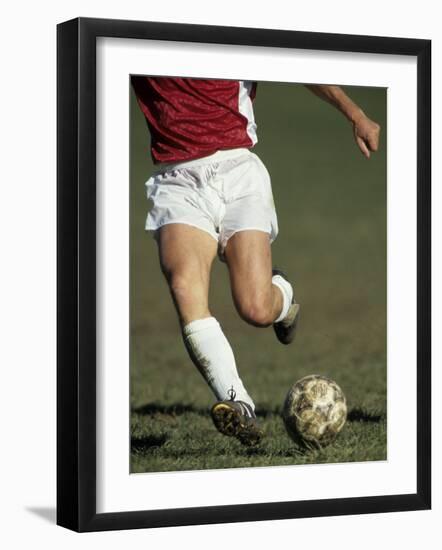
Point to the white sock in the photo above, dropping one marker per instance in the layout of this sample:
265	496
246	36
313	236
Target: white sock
210	351
287	295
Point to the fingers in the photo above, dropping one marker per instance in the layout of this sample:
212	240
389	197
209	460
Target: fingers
363	147
373	140
366	133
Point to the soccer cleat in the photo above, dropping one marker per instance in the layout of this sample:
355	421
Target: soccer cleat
285	330
237	419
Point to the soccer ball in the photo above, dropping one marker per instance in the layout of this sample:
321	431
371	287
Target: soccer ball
314	411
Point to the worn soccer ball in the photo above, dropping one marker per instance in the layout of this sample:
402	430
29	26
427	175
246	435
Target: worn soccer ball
315	411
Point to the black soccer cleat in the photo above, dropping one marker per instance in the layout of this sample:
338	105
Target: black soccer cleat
285	330
237	419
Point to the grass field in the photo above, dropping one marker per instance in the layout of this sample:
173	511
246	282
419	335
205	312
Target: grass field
331	205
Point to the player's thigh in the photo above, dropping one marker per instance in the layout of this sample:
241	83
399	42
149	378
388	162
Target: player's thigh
186	256
249	259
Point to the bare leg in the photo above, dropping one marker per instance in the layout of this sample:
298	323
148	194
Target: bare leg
249	259
186	256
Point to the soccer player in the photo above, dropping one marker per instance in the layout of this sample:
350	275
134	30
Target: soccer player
212	195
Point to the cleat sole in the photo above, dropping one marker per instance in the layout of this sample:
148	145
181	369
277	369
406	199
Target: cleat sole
227	421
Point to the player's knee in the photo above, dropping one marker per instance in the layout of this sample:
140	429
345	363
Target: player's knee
256	312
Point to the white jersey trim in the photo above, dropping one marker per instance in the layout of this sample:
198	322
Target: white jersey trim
245	107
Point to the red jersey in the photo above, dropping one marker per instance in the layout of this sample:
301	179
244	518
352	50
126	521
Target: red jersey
189	118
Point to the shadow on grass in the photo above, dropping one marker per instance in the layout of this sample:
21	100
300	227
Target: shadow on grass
147	443
173	410
176	409
359	415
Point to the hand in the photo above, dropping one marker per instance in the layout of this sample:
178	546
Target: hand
366	133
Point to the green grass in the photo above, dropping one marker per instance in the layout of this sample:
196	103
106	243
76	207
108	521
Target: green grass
331	205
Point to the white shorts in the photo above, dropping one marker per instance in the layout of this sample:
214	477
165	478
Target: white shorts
221	194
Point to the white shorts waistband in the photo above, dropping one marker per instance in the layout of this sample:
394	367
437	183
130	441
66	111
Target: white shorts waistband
219	156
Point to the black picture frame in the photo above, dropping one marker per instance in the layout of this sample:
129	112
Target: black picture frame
76	273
